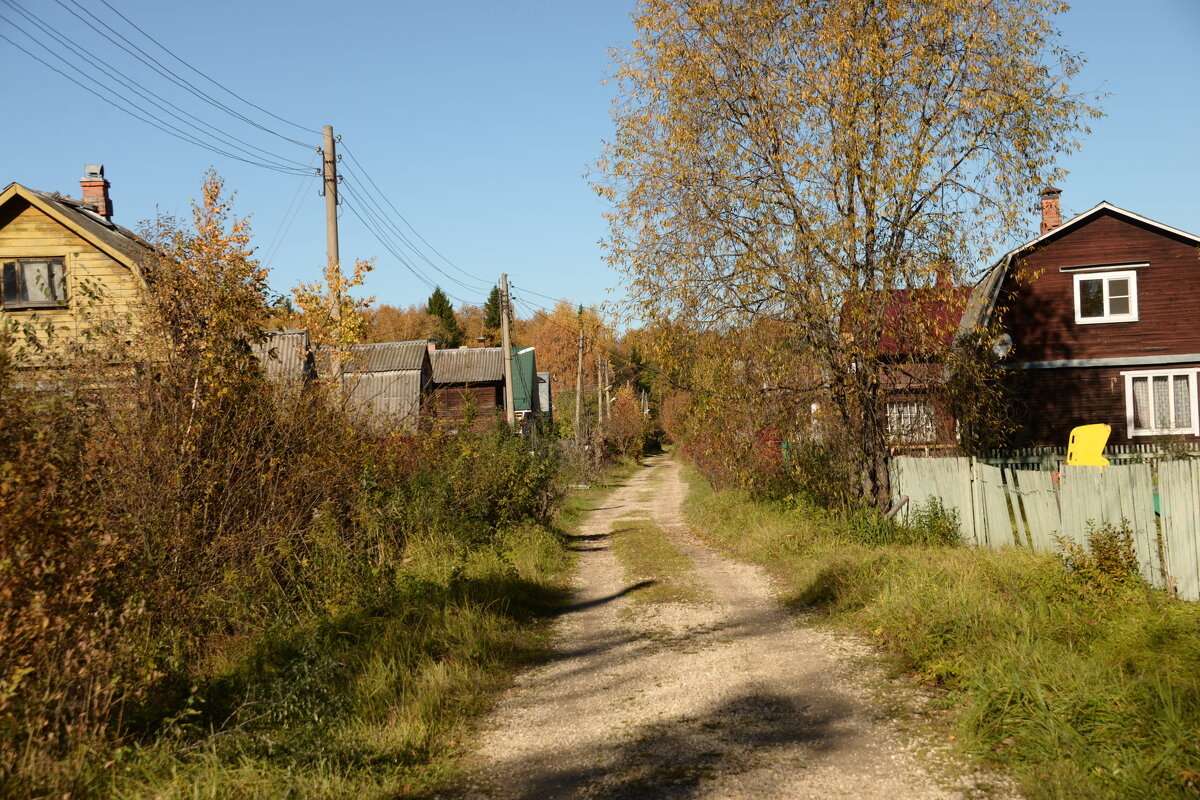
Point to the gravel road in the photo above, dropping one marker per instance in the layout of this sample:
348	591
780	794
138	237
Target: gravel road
728	697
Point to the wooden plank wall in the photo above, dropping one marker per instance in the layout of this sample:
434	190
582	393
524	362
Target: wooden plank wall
32	234
1002	508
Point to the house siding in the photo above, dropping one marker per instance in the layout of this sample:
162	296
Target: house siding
1053	401
1039	312
27	232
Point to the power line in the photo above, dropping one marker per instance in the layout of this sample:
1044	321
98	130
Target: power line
367	175
381	216
165	127
152	97
282	231
207	77
164	71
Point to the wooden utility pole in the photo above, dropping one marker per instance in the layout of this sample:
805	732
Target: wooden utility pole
579	386
607	407
506	344
333	272
599	395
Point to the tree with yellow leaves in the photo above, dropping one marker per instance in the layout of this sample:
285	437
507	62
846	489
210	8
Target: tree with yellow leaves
802	160
334	317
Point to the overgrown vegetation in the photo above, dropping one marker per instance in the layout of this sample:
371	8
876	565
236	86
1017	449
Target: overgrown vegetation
1079	682
216	586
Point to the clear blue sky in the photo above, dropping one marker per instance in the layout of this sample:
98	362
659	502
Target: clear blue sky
478	121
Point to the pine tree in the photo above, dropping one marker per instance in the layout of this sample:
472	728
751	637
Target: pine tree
451	334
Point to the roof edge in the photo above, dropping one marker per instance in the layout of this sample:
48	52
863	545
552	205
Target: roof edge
35	199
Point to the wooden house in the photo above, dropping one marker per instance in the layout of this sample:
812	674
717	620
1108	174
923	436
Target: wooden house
1102	314
919	326
67	267
468	382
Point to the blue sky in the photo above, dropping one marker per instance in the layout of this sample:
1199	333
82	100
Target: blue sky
478	121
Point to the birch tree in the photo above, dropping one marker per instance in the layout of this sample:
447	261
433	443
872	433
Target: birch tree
800	160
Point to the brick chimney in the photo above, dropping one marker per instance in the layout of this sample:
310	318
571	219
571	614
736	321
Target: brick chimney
1051	217
95	191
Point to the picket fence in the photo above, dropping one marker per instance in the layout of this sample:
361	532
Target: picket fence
1006	507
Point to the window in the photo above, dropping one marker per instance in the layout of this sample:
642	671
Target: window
1106	297
1160	402
911	423
34	283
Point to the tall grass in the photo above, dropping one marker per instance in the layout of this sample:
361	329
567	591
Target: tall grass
1077	688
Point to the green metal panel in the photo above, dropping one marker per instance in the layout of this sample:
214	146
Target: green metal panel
524	368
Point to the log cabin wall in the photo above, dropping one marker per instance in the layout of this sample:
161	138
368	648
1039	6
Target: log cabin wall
452	402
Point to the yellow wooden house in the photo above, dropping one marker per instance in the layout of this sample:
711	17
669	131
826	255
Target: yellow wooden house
67	267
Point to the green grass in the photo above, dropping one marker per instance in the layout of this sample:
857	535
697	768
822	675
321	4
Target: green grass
376	700
1073	690
649	556
370	702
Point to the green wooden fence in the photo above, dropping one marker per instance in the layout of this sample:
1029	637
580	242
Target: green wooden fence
1001	506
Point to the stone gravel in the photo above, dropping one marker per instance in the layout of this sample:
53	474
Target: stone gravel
732	697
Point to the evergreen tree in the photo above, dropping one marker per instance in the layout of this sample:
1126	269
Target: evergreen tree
491	310
451	334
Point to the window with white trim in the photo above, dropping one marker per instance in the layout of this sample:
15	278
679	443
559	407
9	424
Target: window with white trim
1160	402
911	423
34	283
1109	296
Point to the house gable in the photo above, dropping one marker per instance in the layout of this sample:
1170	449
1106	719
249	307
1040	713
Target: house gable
99	268
1038	297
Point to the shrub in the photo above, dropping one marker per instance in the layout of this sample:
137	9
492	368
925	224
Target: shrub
1108	561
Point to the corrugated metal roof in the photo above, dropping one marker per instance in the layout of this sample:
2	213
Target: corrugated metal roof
467	365
393	398
388	356
379	357
284	354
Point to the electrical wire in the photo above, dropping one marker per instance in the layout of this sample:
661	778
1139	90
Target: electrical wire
380	193
364	197
372	226
206	76
282	231
165	127
164	71
225	139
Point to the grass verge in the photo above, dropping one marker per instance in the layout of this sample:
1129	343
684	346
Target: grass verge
1075	690
376	700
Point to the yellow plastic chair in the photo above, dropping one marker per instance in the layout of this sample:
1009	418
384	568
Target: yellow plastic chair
1086	448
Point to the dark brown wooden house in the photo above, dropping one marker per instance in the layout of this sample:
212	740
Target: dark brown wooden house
1105	324
468	383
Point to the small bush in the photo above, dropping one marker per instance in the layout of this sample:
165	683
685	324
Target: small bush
1108	561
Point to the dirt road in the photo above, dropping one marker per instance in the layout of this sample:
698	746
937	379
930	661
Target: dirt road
726	696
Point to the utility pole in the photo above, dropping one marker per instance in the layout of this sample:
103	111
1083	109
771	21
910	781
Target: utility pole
607	407
505	307
579	386
333	273
599	396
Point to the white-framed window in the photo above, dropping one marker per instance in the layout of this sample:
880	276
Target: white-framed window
1160	402
1108	296
911	422
34	283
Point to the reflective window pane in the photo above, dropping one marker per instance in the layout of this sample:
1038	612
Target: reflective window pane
1091	298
